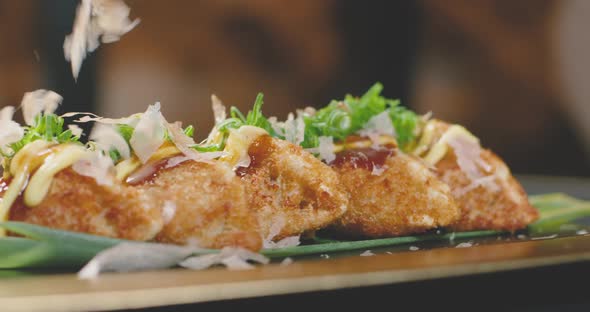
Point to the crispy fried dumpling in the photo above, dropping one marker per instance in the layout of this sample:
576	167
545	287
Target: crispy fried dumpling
286	185
489	196
391	194
78	203
203	204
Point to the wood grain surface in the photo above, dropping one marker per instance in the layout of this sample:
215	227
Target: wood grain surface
64	292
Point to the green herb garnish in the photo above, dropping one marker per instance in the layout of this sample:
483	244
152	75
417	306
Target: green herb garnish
48	127
235	121
341	119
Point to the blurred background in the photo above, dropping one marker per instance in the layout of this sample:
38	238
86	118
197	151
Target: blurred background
516	73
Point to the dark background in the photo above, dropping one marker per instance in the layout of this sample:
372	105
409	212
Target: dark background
495	66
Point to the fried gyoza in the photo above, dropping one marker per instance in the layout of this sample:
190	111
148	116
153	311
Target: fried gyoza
190	203
500	204
391	194
204	204
494	200
77	203
286	185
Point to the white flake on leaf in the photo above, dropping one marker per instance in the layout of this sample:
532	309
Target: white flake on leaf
39	101
234	258
136	256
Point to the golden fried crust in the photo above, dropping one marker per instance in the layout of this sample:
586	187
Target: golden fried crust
209	206
502	206
403	199
289	186
77	203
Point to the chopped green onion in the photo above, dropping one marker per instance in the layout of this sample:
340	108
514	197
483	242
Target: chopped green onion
341	119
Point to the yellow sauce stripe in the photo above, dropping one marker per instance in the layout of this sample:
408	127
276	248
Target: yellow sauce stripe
426	139
128	166
438	151
365	143
62	157
238	142
23	163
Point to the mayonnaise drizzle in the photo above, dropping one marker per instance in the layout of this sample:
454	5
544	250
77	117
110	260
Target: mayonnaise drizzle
43	158
128	166
238	142
433	153
62	157
23	163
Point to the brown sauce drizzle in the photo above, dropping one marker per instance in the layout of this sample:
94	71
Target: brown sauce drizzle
365	158
149	171
259	150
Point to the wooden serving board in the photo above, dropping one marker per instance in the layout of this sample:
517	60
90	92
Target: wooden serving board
65	292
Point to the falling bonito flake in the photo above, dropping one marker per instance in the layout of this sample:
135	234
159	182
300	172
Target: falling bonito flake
96	21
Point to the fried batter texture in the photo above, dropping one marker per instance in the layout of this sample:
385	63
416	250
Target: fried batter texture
503	205
403	197
498	204
77	203
288	186
204	204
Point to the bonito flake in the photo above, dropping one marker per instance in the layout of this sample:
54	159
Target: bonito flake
10	131
96	21
39	101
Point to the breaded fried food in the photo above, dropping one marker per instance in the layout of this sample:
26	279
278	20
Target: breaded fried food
77	203
499	204
204	204
391	194
289	186
489	197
